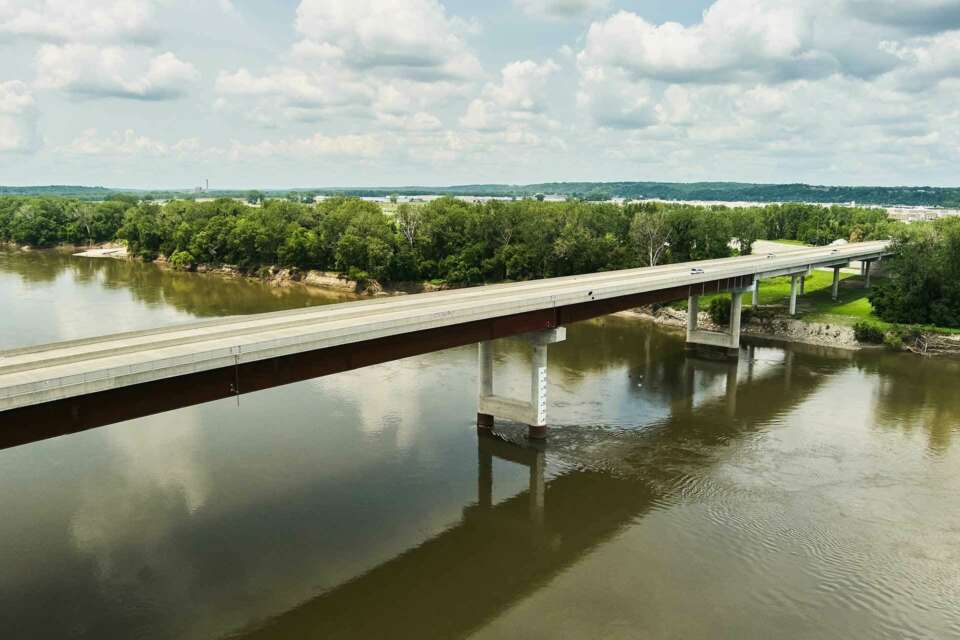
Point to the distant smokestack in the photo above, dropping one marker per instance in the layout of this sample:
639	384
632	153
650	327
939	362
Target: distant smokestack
208	185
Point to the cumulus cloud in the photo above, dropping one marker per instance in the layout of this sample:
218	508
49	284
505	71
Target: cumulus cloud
120	72
627	62
737	39
391	62
18	118
925	61
560	8
414	38
125	144
294	93
318	145
72	20
131	144
519	96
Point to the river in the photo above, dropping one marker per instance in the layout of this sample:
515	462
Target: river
802	493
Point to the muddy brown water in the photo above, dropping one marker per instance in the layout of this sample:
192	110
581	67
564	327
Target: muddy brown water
802	493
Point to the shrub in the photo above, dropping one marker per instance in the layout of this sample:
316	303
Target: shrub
868	332
719	311
893	341
359	275
182	261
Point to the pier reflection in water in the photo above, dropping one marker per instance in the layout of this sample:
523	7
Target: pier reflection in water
799	493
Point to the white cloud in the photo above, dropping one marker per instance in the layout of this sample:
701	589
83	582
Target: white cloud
926	61
92	71
560	8
615	100
78	20
127	143
519	96
296	89
18	118
318	145
737	40
131	144
413	38
392	62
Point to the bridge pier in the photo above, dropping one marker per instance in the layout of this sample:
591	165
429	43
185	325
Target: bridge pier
866	272
794	287
532	413
726	343
835	291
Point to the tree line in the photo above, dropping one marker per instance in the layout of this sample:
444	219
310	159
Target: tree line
447	239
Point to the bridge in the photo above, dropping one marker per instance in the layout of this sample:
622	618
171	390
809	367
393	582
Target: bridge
61	388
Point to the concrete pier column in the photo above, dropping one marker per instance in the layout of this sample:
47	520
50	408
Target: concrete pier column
736	311
710	343
538	392
794	285
866	269
693	312
485	384
803	284
756	293
836	284
532	412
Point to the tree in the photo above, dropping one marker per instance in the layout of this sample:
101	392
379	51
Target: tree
408	222
650	231
923	283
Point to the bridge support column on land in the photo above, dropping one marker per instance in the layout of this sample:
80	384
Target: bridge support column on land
803	283
727	343
866	272
835	294
756	293
794	287
532	413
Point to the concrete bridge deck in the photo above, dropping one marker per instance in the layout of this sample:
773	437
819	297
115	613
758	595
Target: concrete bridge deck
69	386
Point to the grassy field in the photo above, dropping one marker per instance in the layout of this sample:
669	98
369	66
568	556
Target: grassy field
816	303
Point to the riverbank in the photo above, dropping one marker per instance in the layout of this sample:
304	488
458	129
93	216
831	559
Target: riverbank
767	325
274	276
773	324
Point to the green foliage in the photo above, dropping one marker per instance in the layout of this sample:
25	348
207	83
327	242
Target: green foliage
182	261
446	240
45	222
719	311
868	332
923	283
893	341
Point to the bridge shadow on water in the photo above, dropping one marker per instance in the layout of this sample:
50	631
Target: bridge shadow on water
499	552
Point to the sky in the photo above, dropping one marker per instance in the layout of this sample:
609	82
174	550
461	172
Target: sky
336	93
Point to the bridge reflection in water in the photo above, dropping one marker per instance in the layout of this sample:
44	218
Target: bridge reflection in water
465	577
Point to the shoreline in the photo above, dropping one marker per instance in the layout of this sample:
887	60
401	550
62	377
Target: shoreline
274	276
777	329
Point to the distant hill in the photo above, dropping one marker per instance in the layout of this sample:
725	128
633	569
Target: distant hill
708	191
